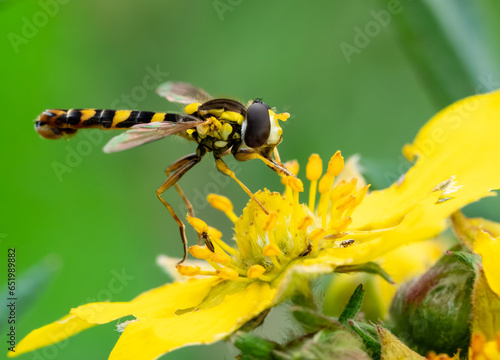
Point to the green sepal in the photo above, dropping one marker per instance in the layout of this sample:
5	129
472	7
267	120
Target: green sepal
369	267
369	336
312	320
253	347
353	306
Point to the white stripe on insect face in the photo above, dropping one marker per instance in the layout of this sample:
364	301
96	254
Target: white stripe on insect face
276	130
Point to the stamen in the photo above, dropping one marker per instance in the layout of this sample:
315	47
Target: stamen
200	252
255	271
221	258
199	225
360	195
303	225
313	173
346	203
223	204
336	164
271	250
341	224
188	270
315	236
293	166
325	185
343	189
271	220
219	242
227	274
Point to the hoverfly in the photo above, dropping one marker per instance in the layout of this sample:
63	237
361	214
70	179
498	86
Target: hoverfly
217	125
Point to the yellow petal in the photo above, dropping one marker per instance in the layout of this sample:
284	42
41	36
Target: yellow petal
489	249
149	339
459	144
51	334
162	301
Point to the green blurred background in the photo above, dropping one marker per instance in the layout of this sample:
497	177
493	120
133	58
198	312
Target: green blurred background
359	76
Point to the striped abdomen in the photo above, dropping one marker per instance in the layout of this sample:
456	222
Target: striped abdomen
54	124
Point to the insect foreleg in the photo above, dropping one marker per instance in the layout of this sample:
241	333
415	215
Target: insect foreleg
222	166
250	154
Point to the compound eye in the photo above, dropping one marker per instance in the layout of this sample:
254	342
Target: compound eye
258	125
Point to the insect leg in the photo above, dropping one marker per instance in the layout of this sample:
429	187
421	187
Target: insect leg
249	154
179	163
184	167
222	166
277	155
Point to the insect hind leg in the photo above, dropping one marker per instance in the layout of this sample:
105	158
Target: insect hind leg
176	165
183	166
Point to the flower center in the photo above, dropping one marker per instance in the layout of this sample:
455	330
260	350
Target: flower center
268	243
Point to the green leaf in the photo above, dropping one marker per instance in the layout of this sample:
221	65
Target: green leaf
429	46
30	285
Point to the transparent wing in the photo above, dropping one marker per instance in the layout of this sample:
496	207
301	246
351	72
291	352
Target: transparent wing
183	93
144	133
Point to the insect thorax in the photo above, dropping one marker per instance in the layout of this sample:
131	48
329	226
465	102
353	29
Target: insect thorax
222	130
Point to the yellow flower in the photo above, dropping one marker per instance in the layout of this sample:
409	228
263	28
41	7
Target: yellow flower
456	155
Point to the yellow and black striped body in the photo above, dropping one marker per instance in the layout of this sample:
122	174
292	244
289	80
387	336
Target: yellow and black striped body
56	123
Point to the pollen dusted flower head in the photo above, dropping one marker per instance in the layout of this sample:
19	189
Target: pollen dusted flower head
456	156
290	234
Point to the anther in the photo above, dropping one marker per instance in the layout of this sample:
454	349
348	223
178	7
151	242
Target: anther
305	223
221	258
296	184
271	220
255	271
271	250
346	203
293	166
343	189
227	274
200	252
188	270
340	224
313	173
223	204
199	225
336	164
317	234
314	167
